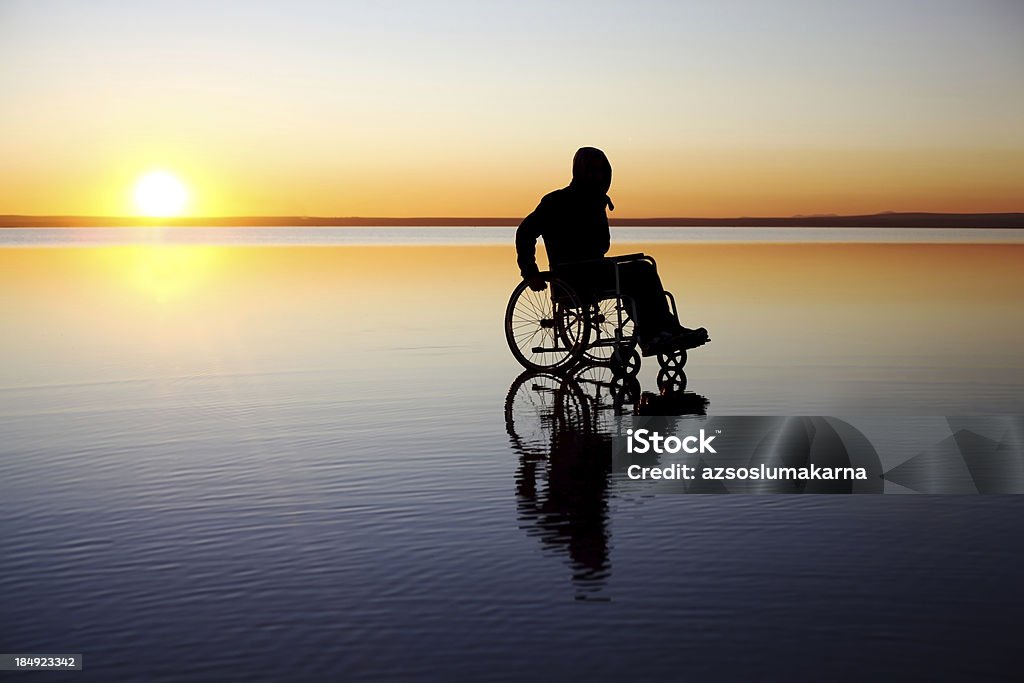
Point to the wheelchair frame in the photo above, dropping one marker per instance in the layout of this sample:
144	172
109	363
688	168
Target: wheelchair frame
565	322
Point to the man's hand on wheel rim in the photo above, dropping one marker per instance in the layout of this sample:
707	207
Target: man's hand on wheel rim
536	283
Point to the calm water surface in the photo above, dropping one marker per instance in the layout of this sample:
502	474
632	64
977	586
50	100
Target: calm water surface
223	460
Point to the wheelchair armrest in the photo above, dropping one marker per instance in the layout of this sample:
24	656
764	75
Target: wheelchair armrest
629	257
625	258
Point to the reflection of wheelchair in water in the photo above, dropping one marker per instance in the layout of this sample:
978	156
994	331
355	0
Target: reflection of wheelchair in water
541	405
561	426
561	326
542	408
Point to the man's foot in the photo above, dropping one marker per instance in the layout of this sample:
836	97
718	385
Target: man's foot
681	338
691	339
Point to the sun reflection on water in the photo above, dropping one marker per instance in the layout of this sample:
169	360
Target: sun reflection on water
164	272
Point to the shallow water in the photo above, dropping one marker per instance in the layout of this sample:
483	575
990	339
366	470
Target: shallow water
263	463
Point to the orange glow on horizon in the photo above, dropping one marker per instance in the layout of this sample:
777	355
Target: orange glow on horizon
701	182
773	110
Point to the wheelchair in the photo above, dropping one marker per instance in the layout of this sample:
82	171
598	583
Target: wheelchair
562	326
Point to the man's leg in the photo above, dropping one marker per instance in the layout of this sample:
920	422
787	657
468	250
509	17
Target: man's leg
656	326
639	280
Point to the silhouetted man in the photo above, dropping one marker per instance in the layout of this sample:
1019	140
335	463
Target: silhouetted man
574	226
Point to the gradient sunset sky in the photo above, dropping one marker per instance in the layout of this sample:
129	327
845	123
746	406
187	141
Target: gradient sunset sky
705	108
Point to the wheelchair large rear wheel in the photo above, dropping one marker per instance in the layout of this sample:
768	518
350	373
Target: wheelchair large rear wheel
546	330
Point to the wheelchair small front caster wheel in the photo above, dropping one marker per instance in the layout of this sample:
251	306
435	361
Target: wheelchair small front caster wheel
673	360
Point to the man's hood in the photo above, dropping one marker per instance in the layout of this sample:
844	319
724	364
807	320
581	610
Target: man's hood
592	173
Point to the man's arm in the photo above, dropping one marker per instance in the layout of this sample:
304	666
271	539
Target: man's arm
526	241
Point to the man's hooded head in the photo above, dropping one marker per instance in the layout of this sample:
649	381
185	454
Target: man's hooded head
592	173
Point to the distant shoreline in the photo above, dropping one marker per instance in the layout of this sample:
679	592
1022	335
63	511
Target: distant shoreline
879	220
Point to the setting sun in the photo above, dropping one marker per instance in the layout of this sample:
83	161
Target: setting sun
160	194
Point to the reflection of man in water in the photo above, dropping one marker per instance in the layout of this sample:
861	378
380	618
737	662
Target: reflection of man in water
574	226
564	479
562	484
569	511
